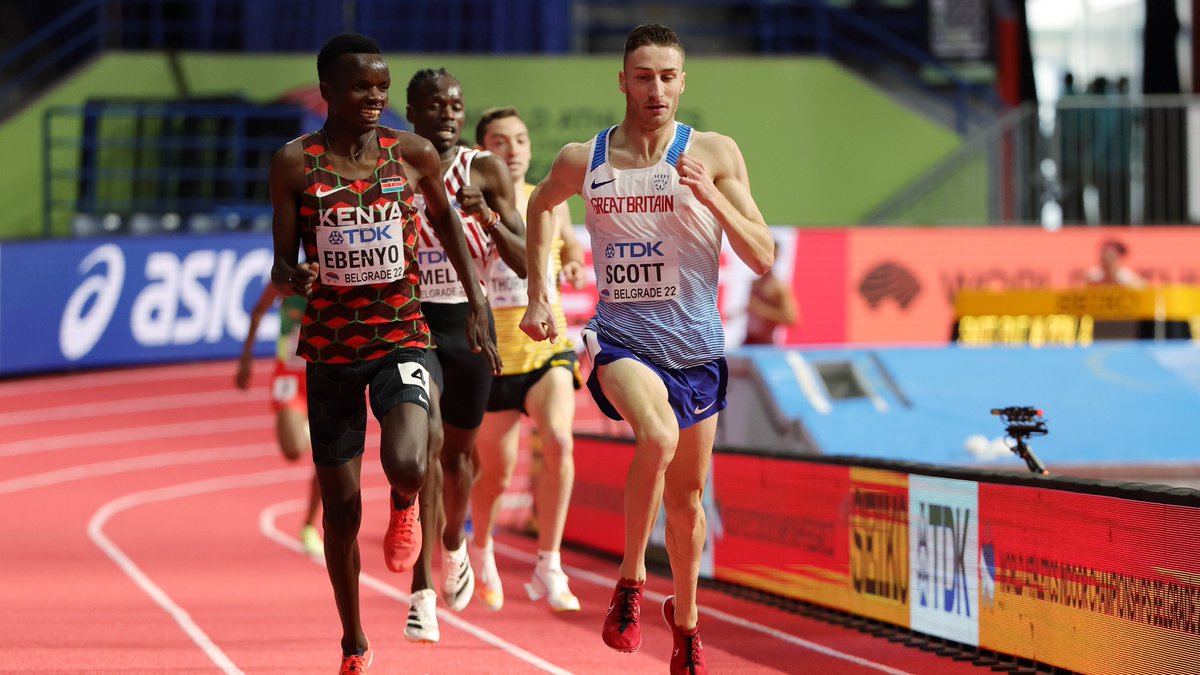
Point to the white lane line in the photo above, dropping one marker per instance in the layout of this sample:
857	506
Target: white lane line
143	404
131	464
105	513
266	523
143	432
608	582
73	382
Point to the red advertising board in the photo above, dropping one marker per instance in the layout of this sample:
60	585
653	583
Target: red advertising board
900	284
1090	583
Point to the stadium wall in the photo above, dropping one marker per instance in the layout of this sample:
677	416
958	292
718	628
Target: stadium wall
822	145
857	286
1091	576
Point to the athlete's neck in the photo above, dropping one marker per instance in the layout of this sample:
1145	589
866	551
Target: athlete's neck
640	145
350	142
448	156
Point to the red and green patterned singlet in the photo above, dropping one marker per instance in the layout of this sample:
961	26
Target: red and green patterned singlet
365	303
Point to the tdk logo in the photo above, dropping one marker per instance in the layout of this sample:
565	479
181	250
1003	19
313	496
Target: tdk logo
365	235
635	249
431	256
335	237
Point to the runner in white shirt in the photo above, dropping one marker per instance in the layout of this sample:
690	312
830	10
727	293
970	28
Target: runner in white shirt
660	198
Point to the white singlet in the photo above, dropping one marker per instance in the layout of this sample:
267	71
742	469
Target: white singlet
656	251
439	282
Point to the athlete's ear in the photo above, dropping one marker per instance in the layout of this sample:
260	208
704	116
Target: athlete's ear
682	81
621	81
323	87
408	113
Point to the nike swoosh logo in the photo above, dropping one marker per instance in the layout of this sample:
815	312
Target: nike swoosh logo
563	362
325	193
602	183
699	410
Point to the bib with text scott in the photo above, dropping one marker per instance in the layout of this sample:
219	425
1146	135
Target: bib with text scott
360	246
638	270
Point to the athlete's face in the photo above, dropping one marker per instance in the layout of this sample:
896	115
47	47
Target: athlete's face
652	82
438	112
357	92
508	139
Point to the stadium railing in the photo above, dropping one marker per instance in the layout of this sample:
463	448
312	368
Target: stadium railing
1086	160
147	167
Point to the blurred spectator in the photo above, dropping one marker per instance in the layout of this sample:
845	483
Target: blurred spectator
1111	271
770	307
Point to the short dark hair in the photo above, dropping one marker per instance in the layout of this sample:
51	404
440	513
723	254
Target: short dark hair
336	46
420	77
491	115
651	34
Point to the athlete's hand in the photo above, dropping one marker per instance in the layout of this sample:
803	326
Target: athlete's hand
471	199
538	322
573	274
479	335
242	379
693	175
301	282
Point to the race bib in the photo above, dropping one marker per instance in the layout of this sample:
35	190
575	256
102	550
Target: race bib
638	270
506	289
439	281
361	254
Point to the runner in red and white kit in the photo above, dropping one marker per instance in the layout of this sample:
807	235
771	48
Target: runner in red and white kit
478	185
347	191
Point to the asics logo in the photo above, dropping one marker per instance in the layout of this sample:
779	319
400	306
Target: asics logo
699	410
611	608
325	192
602	183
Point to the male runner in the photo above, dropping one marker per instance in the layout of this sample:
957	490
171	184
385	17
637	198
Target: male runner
539	380
479	188
660	196
346	191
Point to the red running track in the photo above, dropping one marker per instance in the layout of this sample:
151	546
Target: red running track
149	526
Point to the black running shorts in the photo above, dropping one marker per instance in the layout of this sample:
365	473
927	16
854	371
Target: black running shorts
467	378
337	409
509	391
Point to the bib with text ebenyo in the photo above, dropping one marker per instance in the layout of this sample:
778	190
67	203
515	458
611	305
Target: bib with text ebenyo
360	246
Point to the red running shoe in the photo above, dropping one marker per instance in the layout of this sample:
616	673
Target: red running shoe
687	658
402	543
356	664
622	624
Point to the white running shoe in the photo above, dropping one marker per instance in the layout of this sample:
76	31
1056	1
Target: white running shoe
458	584
489	590
553	585
422	624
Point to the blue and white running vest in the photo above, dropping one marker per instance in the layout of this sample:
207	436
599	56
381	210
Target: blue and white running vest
656	251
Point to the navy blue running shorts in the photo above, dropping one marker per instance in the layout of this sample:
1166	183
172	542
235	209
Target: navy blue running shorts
695	393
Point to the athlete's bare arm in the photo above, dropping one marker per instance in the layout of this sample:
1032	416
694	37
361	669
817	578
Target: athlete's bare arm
571	255
269	294
286	184
424	168
565	179
491	190
716	172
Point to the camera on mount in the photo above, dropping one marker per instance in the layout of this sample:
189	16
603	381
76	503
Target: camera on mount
1021	422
